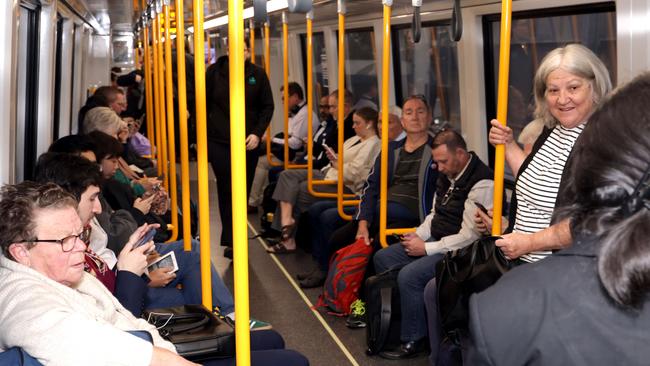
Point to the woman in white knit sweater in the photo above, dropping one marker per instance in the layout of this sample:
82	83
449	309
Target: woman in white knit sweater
359	153
49	306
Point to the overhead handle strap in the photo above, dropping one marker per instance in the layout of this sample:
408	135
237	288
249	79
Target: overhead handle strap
416	24
456	22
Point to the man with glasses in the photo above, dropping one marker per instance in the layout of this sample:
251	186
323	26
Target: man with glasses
324	108
465	181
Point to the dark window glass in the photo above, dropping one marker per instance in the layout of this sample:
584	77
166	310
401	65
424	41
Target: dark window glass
429	68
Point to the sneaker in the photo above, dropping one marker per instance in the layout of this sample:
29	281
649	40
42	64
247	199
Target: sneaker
259	325
357	317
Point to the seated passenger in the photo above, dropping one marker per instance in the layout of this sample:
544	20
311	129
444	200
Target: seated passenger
72	318
465	179
298	129
412	179
292	192
325	219
588	304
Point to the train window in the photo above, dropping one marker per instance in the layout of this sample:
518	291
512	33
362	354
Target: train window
361	64
321	77
429	68
534	34
27	90
57	78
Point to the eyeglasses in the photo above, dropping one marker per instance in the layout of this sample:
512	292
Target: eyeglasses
323	106
67	243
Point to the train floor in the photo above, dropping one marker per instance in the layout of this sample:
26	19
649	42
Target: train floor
275	297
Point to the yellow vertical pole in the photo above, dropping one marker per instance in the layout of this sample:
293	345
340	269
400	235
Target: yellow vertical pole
207	39
285	91
502	112
182	124
161	92
156	93
239	200
173	189
147	87
267	67
383	178
202	153
310	104
341	111
251	40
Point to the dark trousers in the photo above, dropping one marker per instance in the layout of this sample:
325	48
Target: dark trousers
220	159
267	349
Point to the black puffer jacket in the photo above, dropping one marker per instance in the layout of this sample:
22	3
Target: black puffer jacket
259	101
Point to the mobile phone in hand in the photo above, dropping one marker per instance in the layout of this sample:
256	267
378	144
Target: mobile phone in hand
149	235
481	207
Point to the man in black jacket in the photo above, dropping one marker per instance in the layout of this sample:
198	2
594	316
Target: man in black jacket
259	110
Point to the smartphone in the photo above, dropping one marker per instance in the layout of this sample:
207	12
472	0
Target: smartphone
399	237
330	150
148	236
481	207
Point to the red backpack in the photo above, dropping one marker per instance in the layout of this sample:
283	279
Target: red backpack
347	267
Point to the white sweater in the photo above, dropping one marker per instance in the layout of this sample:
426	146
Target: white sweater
357	161
61	325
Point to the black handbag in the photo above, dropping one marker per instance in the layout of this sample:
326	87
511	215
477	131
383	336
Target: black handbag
459	275
196	332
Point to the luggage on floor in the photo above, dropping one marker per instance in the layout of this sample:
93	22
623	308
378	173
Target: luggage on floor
383	314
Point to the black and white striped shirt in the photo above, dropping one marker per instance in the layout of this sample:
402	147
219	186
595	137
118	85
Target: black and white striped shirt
538	185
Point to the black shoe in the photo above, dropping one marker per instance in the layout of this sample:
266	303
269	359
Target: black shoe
357	317
316	279
405	350
304	275
227	252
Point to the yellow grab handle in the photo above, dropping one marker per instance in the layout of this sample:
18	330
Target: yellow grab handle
239	200
383	182
202	153
173	191
182	125
502	113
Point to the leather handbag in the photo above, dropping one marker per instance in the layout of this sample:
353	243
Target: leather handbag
467	271
197	333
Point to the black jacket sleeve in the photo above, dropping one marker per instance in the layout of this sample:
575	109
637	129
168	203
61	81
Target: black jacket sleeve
130	290
266	105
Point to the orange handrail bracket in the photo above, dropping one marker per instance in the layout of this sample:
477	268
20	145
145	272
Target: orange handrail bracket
251	39
173	191
239	199
400	231
267	68
182	125
502	112
156	91
202	153
341	112
285	89
383	181
161	104
148	85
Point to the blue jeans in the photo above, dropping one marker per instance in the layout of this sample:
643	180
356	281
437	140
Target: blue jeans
416	272
267	349
324	220
189	276
433	319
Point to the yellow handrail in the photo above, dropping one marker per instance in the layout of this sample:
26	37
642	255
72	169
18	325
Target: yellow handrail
239	199
202	153
502	112
173	191
147	89
251	40
161	105
267	68
182	124
383	178
285	92
341	113
156	94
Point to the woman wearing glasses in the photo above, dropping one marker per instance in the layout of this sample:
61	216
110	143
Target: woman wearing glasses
62	316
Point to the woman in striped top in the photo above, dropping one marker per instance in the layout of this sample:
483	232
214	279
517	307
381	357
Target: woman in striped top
569	84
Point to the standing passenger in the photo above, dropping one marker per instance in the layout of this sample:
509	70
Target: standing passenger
259	110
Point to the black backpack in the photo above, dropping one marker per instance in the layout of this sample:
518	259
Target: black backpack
383	314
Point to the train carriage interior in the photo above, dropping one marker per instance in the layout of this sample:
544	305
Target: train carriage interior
58	53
